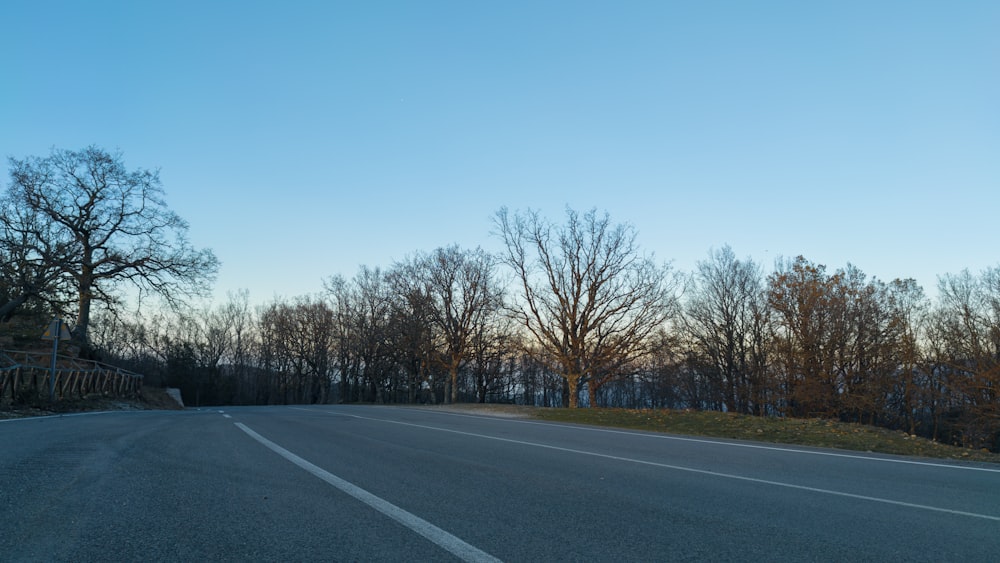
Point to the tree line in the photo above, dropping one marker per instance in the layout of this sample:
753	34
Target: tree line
569	313
447	326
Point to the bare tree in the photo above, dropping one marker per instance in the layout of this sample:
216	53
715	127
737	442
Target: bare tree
115	225
841	341
726	318
466	296
912	392
590	299
237	315
341	296
805	309
29	257
363	313
411	329
965	336
493	356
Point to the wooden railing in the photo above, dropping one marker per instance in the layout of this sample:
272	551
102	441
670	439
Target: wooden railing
24	378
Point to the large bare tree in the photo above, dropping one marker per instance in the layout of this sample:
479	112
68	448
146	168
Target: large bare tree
590	299
115	225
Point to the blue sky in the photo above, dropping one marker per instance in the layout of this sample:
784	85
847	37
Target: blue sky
303	139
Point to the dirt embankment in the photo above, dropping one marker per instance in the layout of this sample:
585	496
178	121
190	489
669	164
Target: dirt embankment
151	398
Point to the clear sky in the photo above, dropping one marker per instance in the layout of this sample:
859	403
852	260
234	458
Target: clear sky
303	139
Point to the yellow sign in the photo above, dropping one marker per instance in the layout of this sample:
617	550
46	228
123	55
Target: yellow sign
56	327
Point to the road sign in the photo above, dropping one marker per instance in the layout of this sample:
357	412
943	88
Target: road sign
57	331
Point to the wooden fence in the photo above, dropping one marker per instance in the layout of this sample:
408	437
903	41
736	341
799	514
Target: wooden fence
24	378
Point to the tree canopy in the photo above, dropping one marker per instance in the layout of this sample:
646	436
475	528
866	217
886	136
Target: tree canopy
80	223
590	299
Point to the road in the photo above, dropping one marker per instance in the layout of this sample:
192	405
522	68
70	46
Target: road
357	483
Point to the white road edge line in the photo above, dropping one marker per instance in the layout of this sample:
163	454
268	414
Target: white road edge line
693	470
450	543
55	416
721	442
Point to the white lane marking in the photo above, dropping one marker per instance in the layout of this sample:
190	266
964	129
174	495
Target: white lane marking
719	442
55	416
693	470
226	416
452	544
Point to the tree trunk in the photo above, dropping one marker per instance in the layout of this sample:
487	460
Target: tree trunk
83	315
572	389
453	378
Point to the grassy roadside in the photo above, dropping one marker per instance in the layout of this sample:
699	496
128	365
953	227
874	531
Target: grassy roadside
803	432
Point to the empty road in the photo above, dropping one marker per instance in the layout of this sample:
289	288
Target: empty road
357	483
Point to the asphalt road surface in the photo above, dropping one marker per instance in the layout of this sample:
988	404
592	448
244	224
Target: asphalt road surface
353	483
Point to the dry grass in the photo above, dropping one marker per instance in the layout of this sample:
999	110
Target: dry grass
804	432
